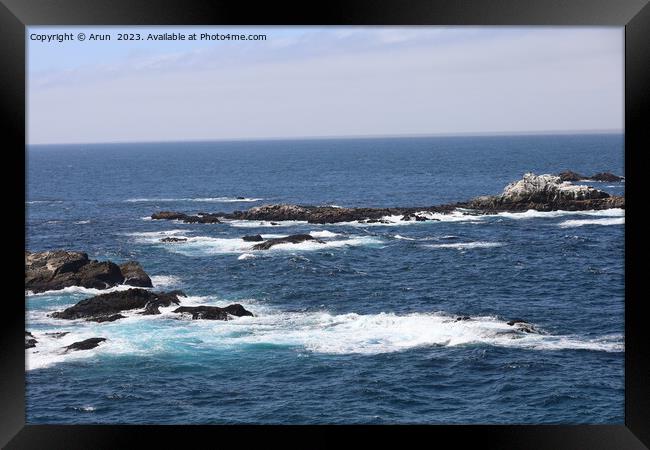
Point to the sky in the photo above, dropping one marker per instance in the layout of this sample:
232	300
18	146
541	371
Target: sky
322	82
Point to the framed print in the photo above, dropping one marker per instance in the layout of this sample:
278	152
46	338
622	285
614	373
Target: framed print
408	221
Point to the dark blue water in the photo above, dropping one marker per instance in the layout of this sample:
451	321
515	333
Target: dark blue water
360	329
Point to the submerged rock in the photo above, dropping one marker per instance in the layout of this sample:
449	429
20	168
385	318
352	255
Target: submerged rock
173	239
104	307
523	325
606	176
30	341
214	312
293	239
111	318
254	238
198	218
58	269
85	344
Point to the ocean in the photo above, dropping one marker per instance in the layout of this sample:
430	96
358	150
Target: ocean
360	329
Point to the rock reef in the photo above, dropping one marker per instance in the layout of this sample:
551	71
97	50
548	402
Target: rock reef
107	307
293	239
86	344
537	192
58	269
569	175
214	312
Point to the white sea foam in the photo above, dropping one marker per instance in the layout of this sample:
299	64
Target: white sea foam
323	234
404	238
263	223
320	332
533	214
244	256
82	222
148	237
466	245
197	199
206	246
580	223
71	290
164	281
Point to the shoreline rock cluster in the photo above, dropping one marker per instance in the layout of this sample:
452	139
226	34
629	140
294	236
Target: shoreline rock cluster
537	192
607	177
58	269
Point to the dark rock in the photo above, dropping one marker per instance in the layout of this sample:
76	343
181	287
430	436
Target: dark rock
111	318
570	176
115	302
168	215
85	344
459	318
173	239
30	342
214	312
293	239
523	325
514	321
58	334
134	275
254	238
537	192
241	198
606	176
59	269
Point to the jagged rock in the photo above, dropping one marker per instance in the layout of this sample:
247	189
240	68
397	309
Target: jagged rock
106	305
58	269
293	239
30	341
254	238
460	318
214	312
134	275
545	193
86	344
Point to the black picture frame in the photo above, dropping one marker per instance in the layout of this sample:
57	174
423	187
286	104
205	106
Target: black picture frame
634	15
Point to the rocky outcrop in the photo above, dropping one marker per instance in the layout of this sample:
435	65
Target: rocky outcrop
30	341
214	312
58	269
293	239
134	274
197	218
601	176
538	192
606	177
545	193
106	307
255	238
85	344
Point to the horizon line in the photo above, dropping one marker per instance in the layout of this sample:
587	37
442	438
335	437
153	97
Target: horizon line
353	136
